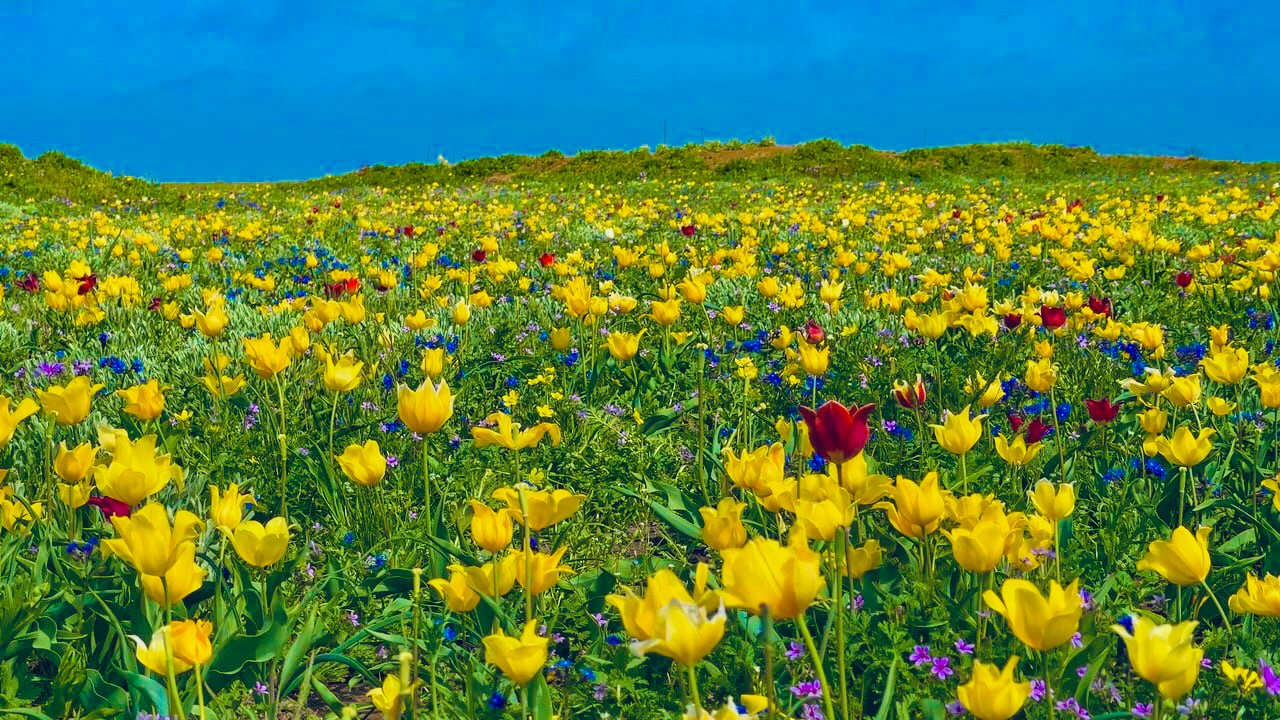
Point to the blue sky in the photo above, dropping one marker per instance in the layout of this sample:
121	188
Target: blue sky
271	90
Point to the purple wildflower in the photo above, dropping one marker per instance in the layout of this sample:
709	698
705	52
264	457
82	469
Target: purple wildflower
920	656
942	668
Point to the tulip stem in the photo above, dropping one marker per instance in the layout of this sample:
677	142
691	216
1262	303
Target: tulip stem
841	544
199	691
528	557
1214	597
694	694
284	451
333	417
1048	686
426	484
771	690
817	664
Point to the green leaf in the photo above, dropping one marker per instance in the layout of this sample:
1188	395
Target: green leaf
886	698
246	649
142	687
540	699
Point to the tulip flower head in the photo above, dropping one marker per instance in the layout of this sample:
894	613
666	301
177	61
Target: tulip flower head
1183	559
519	658
837	434
1040	622
992	693
1163	654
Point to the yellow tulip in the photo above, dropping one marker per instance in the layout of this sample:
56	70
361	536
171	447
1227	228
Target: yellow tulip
226	507
861	560
814	360
1184	391
191	641
545	507
1268	381
1153	421
1041	375
1183	559
993	394
182	579
511	436
958	432
979	549
69	404
145	401
624	346
543	570
155	655
74	495
425	410
692	290
364	464
786	427
755	470
1220	407
389	699
492	579
73	466
433	363
766	574
213	321
733	315
456	592
722	526
1227	366
1017	453
520	659
261	545
685	633
266	357
916	510
1153	381
224	386
1257	597
993	694
819	519
1163	654
136	471
1185	449
1041	623
492	529
1054	503
10	419
148	542
461	313
342	376
665	312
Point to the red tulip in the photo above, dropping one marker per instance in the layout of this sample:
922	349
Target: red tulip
836	434
1101	306
29	282
407	230
87	284
1015	423
352	284
688	230
547	259
111	507
1037	430
910	396
1102	411
334	291
1052	317
1184	278
479	256
1012	320
813	333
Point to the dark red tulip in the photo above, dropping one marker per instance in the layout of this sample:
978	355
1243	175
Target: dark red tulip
156	303
813	333
29	282
88	283
333	291
111	507
1101	306
1102	411
1015	423
407	230
688	230
547	259
1037	430
836	434
1184	278
479	256
1159	197
1052	317
1012	320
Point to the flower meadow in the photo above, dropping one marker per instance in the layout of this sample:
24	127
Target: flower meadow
650	449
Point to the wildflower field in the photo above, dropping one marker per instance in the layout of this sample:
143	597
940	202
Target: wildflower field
806	446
